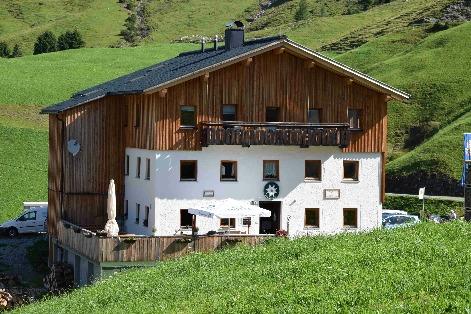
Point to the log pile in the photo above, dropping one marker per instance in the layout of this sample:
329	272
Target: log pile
60	279
9	296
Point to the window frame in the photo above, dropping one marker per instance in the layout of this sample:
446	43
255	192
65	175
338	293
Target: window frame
138	213
306	178
235	112
277	163
145	222
126	165
278	113
230	225
147	174
195	119
306	210
356	178
195	162
345	226
126	209
234	162
359	119
319	110
138	167
190	226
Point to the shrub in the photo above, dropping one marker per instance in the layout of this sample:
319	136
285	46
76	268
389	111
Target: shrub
46	42
70	40
17	52
130	32
4	50
302	12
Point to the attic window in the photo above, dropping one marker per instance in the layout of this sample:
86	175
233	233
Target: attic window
187	116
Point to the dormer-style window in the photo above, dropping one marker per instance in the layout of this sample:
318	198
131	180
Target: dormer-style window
314	115
187	116
354	118
229	113
272	114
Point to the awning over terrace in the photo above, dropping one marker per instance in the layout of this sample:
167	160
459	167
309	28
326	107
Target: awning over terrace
230	208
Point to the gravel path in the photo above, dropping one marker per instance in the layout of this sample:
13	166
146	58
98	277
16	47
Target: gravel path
14	260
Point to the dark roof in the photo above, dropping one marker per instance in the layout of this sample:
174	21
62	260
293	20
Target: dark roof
161	73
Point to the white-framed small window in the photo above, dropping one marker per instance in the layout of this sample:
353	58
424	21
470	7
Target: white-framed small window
146	217
138	212
147	168
126	166
126	209
138	167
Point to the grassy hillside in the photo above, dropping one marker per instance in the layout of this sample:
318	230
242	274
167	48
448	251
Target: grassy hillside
21	21
377	272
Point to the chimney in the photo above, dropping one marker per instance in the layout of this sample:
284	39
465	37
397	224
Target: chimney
203	42
234	35
216	42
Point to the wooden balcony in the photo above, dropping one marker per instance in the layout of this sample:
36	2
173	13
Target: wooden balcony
275	133
135	248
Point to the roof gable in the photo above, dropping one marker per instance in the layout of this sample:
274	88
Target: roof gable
193	64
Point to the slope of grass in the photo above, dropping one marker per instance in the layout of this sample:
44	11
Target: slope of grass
100	21
378	272
23	168
49	78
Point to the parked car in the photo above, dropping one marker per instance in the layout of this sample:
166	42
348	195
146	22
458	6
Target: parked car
33	219
396	221
390	212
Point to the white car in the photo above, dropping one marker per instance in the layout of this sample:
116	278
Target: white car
396	221
33	219
385	213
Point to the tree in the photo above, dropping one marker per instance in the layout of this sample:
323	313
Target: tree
17	52
4	50
45	43
302	12
365	4
130	33
70	40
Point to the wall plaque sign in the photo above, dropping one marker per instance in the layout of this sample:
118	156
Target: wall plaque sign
331	194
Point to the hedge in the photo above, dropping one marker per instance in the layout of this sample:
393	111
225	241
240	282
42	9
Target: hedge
413	205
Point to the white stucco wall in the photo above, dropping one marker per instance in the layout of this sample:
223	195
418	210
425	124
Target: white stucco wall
166	194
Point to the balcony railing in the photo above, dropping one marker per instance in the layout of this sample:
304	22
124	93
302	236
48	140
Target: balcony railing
275	133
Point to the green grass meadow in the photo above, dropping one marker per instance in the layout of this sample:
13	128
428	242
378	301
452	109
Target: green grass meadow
377	272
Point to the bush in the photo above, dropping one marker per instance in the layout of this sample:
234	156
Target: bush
70	40
413	205
4	50
302	12
419	133
130	32
45	43
17	52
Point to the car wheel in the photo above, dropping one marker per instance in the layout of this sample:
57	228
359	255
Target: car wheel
12	232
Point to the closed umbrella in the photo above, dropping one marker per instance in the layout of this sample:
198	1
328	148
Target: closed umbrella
111	227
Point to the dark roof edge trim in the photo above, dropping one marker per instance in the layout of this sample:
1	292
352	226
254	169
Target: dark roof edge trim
57	111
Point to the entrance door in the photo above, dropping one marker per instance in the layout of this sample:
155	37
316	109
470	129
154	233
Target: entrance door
269	225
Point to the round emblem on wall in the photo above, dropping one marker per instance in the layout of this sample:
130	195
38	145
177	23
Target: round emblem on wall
271	190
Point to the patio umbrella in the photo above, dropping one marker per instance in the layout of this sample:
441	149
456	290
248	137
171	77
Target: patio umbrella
230	208
111	227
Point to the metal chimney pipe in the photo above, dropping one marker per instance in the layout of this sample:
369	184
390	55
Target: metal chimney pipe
216	42
202	44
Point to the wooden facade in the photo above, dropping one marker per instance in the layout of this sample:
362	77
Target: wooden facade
105	127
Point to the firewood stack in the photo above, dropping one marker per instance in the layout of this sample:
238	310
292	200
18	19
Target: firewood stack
8	297
60	279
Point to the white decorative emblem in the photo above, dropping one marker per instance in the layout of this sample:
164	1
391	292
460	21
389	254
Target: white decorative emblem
271	190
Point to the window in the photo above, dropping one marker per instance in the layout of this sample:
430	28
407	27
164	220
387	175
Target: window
314	115
311	217
146	217
272	114
138	212
126	166
313	170
28	216
229	113
187	116
350	170
147	168
354	116
271	170
186	219
188	170
126	209
227	223
350	218
228	170
138	167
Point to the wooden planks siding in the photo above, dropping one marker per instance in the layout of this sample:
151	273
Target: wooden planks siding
271	80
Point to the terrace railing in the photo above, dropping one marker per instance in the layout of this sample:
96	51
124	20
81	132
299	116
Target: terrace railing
275	133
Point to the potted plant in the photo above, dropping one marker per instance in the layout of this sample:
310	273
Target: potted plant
154	231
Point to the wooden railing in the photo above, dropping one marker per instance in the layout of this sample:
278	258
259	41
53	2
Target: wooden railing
140	248
275	133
